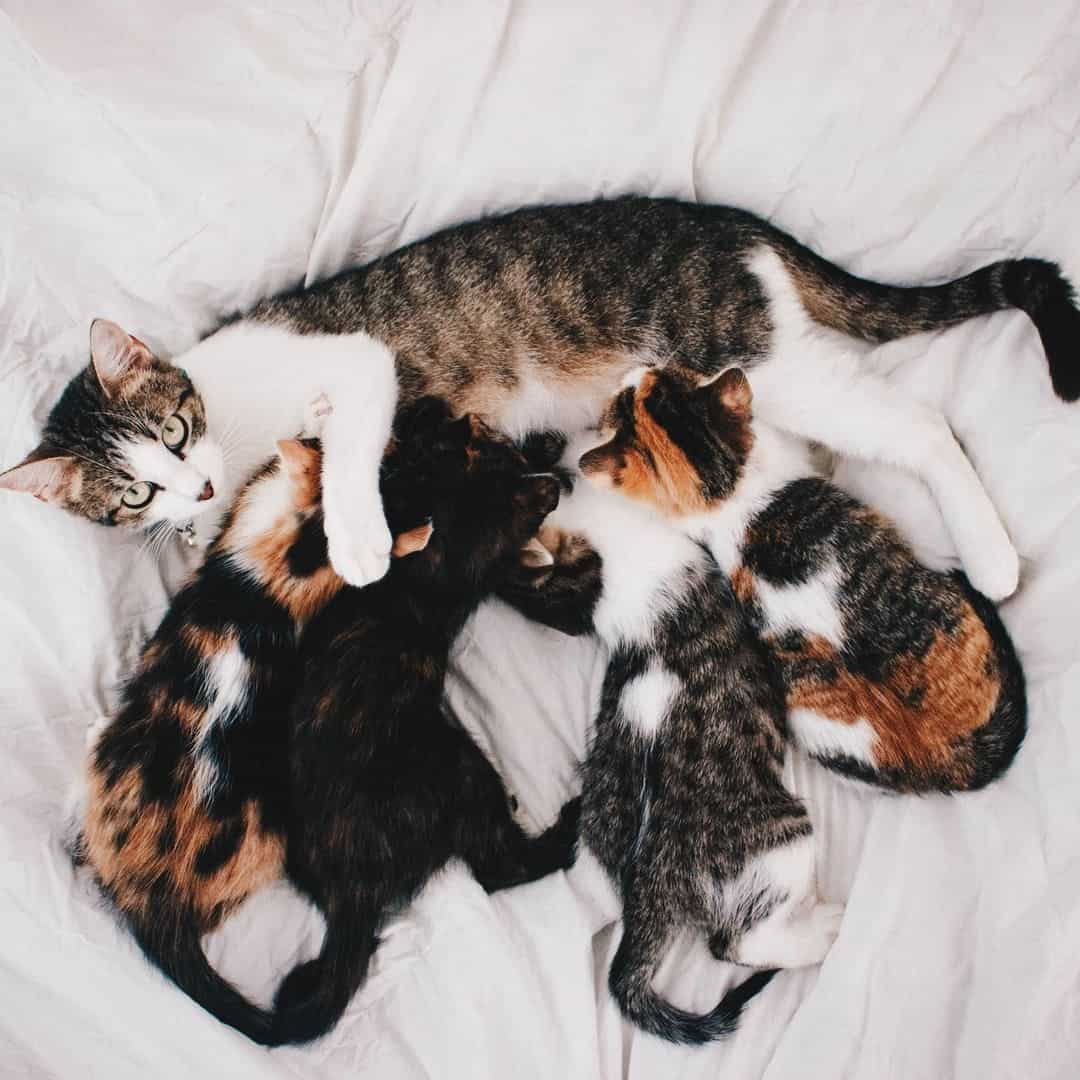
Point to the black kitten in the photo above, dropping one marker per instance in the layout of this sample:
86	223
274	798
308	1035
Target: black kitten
386	786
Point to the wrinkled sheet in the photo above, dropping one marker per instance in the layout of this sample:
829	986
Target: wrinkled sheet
164	164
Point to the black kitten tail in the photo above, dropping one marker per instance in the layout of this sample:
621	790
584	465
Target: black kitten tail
312	997
630	986
176	948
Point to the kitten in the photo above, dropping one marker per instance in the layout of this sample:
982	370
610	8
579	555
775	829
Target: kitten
682	801
894	674
386	786
530	319
187	796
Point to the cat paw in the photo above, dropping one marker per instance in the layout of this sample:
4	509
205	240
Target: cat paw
357	538
995	573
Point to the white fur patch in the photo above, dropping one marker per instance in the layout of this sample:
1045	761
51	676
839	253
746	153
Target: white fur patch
227	676
799	929
264	506
181	482
823	737
810	607
645	701
645	558
257	380
537	405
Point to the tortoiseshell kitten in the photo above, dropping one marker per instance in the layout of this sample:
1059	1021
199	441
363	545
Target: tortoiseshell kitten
187	803
683	802
895	674
387	787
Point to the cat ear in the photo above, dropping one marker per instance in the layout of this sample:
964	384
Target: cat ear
732	388
412	540
535	555
299	458
44	473
116	356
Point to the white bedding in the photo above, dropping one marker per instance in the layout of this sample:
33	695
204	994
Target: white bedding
162	164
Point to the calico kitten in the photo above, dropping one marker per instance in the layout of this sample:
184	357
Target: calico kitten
531	318
187	797
386	786
682	800
893	673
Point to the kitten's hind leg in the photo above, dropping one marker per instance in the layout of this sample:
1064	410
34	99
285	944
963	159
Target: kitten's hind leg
499	852
772	917
860	415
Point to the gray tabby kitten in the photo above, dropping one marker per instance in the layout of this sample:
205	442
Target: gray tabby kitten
530	320
682	801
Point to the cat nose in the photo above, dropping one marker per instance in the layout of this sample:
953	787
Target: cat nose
207	492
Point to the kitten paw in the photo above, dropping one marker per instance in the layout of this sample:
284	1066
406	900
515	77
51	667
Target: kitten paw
357	538
816	933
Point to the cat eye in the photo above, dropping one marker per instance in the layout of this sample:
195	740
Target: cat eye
138	495
174	432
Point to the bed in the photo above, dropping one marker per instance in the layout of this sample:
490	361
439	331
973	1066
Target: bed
163	165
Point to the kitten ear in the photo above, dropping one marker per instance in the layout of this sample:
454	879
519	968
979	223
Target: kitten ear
301	459
412	540
732	388
602	464
116	355
535	555
44	473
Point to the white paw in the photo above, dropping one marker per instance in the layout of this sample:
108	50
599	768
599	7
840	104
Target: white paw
357	539
315	416
814	934
995	572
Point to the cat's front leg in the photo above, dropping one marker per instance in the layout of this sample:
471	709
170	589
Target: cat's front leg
363	396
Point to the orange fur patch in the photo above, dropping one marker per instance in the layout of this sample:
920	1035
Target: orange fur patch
123	843
672	484
926	708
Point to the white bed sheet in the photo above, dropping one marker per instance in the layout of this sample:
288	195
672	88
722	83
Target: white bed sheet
163	164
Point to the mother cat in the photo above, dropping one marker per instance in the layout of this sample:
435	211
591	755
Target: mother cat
530	320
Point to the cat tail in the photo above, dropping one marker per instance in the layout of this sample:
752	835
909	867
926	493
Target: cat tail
314	994
175	946
876	312
630	982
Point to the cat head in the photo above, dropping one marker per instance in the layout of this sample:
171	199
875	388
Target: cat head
461	496
677	445
275	530
127	443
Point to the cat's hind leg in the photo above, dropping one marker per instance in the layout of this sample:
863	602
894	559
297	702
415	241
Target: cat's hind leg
771	915
858	414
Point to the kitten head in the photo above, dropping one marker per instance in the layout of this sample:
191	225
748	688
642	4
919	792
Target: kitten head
461	496
275	530
127	443
672	443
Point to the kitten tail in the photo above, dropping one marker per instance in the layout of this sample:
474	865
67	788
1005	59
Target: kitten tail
176	948
314	994
630	985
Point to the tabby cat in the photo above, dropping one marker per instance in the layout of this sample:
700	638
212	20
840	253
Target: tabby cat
530	319
387	787
682	799
893	673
